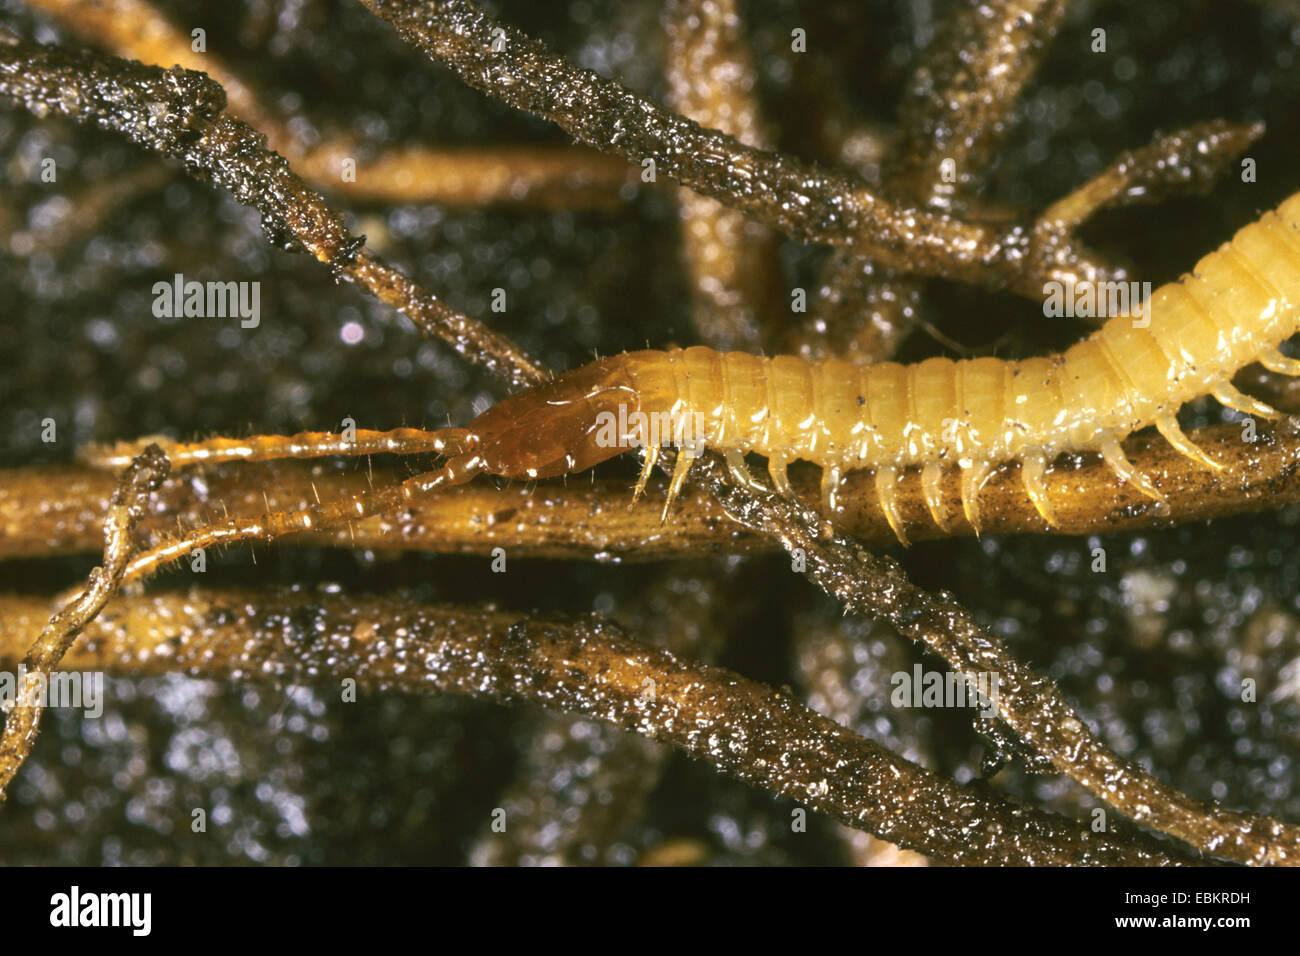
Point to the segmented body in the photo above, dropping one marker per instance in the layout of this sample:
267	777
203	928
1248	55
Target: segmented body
1193	335
1235	307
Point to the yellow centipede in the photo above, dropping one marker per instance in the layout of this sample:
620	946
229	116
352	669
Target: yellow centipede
1235	307
1138	369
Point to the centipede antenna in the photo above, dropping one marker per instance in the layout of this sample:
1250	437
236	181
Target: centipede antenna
117	454
932	490
453	441
887	492
1168	426
1114	456
1226	394
1033	472
456	472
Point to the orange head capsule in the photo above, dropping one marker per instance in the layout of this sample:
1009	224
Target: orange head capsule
564	426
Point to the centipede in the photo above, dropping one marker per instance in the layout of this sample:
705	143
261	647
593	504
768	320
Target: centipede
1235	307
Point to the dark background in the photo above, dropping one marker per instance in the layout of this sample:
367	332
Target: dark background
1152	651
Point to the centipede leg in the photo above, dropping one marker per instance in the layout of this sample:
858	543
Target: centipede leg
648	466
973	476
1033	472
680	468
1225	394
887	492
1275	361
740	473
776	467
1168	426
932	490
831	476
1114	456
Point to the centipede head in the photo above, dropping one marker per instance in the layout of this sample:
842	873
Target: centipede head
567	425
